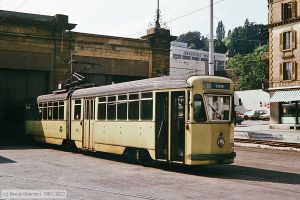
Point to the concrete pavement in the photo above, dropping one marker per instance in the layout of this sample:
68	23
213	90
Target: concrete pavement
256	174
259	130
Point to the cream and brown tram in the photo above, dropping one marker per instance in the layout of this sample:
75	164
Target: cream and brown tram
186	120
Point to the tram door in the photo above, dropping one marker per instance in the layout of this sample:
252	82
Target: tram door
162	125
170	121
88	121
177	125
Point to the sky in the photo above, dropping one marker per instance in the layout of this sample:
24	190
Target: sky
131	18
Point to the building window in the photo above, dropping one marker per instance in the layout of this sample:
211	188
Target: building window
186	57
287	11
287	71
288	40
176	56
288	112
195	58
240	102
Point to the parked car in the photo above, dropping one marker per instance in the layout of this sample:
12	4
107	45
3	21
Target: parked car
265	116
239	118
248	114
255	114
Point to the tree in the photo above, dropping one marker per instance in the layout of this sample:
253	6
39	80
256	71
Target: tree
220	31
245	39
220	46
252	70
194	39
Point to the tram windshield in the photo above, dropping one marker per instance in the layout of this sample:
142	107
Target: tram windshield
218	107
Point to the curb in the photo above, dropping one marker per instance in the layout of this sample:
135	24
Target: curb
263	146
278	137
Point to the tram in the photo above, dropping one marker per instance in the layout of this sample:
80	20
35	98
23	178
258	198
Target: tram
186	119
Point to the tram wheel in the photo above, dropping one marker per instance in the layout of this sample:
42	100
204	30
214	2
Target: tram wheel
139	156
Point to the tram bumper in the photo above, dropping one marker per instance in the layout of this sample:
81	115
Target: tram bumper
211	159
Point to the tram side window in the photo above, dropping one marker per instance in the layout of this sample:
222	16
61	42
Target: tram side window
122	107
50	111
44	111
102	108
199	111
61	110
40	111
134	107
146	106
77	109
111	108
55	110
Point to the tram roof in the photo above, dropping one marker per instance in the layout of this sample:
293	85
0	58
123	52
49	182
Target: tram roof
52	97
159	83
165	82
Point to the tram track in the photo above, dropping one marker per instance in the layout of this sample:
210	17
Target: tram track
269	143
137	196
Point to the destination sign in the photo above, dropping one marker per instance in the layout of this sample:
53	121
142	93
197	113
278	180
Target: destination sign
218	86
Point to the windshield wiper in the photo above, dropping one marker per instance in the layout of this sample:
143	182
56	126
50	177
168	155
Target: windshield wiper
219	116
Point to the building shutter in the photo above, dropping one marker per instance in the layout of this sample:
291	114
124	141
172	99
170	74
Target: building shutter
281	41
282	12
294	8
281	71
294	39
294	71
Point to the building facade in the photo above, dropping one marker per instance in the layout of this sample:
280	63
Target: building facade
284	55
190	61
251	100
35	51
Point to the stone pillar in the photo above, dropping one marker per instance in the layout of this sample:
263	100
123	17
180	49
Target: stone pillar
160	42
62	48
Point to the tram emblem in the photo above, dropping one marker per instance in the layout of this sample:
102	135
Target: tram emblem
220	140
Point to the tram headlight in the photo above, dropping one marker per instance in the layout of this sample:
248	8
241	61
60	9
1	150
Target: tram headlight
221	141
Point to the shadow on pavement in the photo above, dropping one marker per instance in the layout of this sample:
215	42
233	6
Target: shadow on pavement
236	172
19	147
217	171
4	160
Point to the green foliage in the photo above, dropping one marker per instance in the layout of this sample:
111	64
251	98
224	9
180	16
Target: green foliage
220	46
251	69
220	31
195	40
245	39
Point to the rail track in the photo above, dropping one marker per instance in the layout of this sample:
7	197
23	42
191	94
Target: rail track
269	143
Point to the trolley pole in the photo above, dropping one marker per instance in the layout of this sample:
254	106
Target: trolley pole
211	61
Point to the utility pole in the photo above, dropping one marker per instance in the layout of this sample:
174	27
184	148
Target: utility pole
157	23
211	61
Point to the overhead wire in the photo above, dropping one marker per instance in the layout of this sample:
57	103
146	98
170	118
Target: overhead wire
122	38
19	6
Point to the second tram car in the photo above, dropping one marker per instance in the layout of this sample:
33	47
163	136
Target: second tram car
186	120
